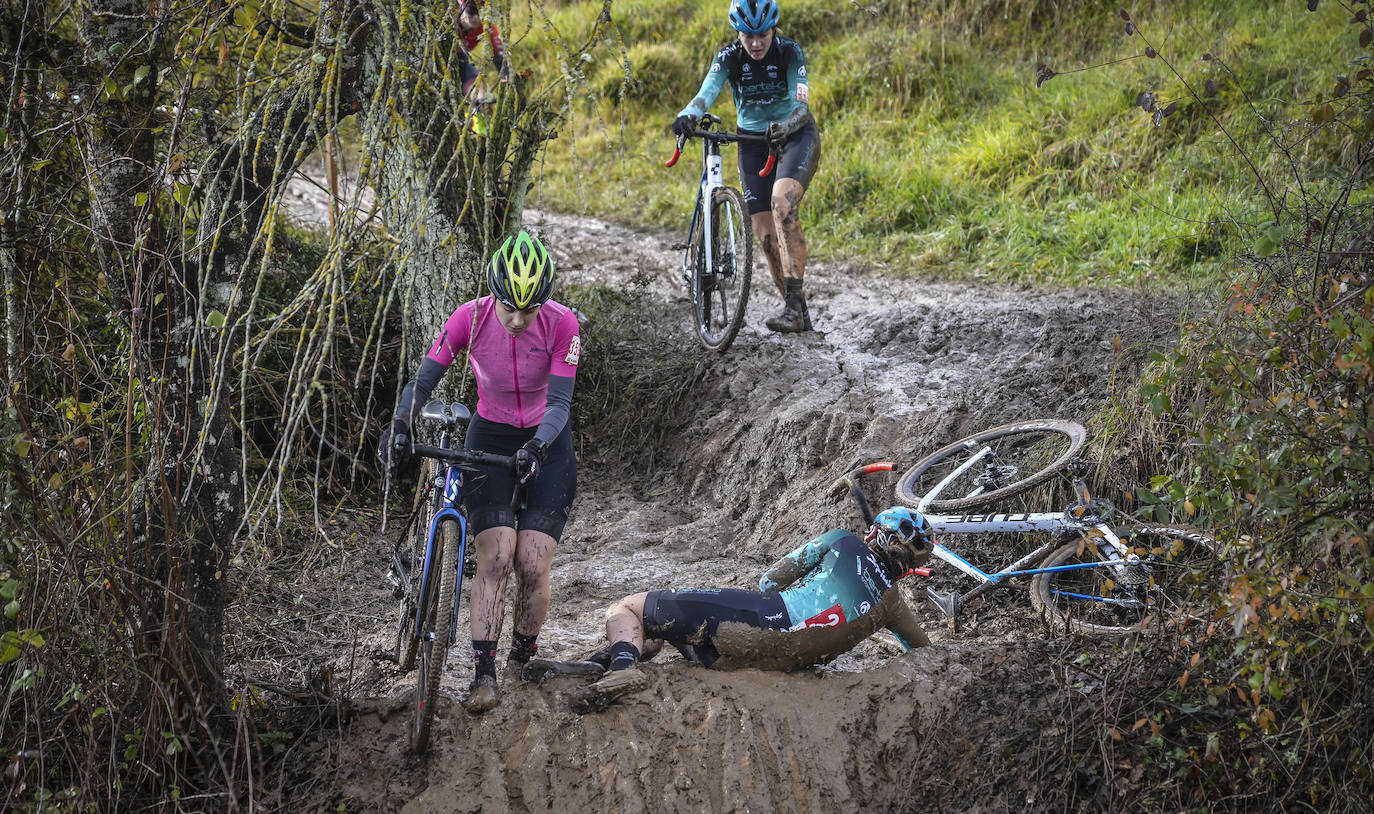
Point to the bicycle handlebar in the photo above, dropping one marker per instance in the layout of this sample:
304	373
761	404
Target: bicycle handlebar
724	138
462	456
849	482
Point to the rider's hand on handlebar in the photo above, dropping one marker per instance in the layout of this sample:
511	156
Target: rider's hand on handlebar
684	125
777	137
528	461
395	448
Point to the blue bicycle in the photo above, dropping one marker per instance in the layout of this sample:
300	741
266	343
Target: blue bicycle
1093	572
427	564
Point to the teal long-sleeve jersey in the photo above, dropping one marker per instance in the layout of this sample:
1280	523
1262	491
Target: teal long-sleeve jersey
765	91
830	581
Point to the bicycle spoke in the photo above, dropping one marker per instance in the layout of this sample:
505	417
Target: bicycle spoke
1094	594
991	465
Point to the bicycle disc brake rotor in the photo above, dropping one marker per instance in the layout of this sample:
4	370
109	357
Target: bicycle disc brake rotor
995	477
1133	575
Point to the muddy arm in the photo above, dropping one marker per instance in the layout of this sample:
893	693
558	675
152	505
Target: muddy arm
903	624
795	564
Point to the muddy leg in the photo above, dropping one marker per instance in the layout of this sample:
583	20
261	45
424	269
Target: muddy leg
787	197
767	234
495	548
625	621
533	560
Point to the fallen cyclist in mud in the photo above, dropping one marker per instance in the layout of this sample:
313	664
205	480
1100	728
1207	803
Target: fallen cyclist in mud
814	604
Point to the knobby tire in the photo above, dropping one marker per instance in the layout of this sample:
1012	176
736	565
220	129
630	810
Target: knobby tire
438	622
1056	441
1176	564
407	642
720	294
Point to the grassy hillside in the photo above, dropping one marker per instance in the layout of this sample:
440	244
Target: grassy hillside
940	154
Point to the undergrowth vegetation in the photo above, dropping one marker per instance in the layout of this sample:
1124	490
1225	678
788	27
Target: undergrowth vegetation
1260	424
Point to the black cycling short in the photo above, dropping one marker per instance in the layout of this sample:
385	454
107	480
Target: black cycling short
798	162
488	493
688	619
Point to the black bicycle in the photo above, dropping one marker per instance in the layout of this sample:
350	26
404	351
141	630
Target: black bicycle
717	271
427	563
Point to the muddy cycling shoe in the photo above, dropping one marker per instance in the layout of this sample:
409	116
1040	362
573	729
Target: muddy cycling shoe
517	669
788	322
794	316
482	695
538	669
613	685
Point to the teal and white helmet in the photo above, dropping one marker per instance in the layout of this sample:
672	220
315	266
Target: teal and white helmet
904	536
753	16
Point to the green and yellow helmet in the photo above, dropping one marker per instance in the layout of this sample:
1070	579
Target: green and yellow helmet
521	273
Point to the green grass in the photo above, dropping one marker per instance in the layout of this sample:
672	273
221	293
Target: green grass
941	157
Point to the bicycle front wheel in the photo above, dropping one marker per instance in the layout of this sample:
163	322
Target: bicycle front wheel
1166	583
720	289
434	641
407	566
1015	457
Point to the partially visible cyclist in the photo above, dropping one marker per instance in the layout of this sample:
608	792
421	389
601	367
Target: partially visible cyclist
470	28
767	75
524	348
814	604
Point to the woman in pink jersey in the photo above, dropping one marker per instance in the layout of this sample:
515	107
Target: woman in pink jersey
524	349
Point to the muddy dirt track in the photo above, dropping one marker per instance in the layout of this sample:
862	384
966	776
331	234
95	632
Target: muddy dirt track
896	366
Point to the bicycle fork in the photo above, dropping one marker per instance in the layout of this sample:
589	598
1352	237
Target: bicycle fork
712	178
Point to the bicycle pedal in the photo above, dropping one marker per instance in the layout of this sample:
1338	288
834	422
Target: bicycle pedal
679	247
383	655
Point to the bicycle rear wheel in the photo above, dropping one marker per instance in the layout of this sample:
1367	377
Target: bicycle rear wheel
1166	585
407	566
1023	454
438	629
721	292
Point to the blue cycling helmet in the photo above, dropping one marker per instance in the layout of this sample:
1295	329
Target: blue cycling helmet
906	530
753	16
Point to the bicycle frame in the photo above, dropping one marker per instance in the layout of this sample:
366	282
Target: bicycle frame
712	178
1054	524
1084	518
448	485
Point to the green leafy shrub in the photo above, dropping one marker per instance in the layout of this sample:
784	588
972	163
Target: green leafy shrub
1260	425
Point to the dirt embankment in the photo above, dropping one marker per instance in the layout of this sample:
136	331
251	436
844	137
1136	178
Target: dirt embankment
896	367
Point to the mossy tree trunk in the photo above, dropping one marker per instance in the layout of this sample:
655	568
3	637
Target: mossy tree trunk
182	298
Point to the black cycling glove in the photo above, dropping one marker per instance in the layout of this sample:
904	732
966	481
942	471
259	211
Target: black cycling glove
684	125
529	459
395	447
777	137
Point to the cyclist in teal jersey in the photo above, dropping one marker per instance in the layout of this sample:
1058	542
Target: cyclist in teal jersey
524	348
767	75
812	605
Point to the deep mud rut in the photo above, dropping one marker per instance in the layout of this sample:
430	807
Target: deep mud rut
896	367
